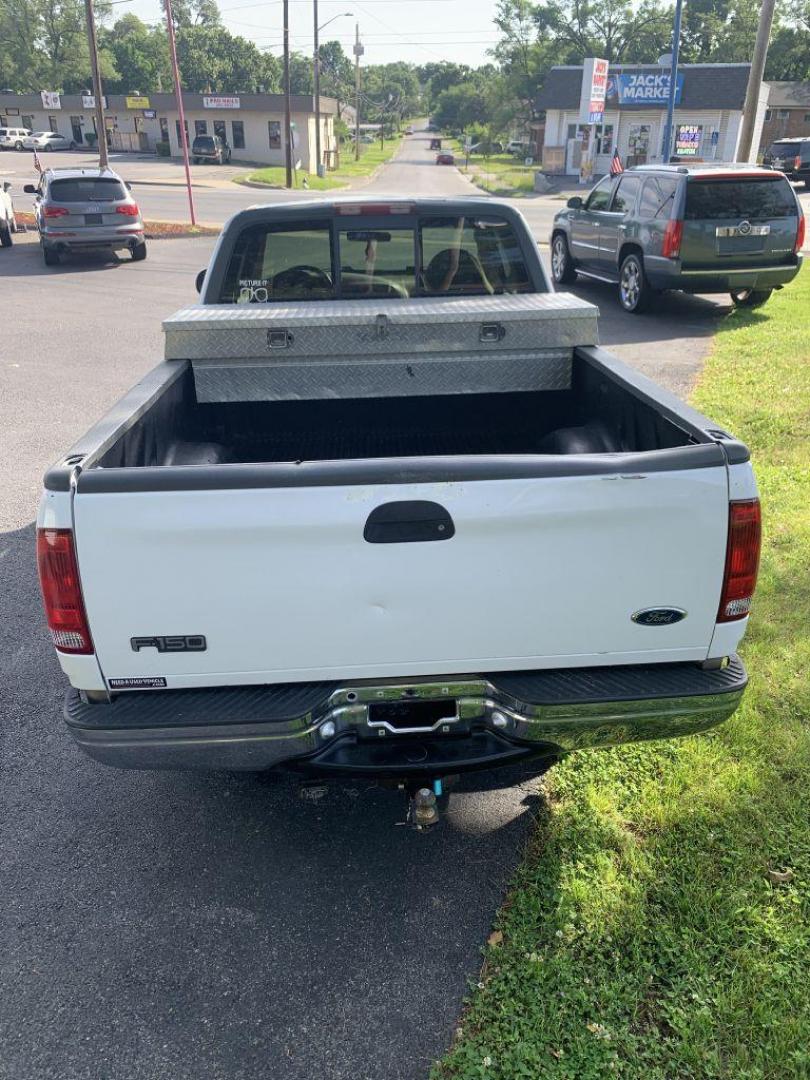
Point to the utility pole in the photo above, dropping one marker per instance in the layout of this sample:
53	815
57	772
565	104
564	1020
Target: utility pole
178	93
751	105
666	149
317	77
101	131
358	52
288	176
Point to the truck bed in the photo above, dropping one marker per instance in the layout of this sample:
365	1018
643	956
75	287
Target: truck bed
597	415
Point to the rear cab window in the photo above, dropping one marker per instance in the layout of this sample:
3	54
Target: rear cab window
471	255
749	198
87	189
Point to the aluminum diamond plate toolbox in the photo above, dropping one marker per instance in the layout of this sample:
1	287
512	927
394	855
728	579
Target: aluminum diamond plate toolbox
388	347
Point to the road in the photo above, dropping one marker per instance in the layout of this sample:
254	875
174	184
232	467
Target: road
198	927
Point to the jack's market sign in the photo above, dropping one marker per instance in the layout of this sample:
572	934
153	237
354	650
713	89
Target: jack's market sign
650	88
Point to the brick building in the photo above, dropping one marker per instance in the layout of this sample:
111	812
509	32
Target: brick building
788	113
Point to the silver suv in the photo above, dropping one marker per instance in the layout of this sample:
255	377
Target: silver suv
12	138
86	209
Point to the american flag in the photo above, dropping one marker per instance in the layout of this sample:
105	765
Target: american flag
616	166
37	162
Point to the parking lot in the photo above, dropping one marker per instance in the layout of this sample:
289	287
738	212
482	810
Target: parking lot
194	926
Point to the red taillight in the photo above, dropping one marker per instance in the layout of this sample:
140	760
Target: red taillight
55	211
742	560
673	234
128	209
800	230
61	591
797	162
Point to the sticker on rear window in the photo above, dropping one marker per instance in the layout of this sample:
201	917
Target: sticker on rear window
157	683
255	290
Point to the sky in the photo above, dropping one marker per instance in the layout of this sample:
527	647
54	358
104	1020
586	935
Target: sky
414	30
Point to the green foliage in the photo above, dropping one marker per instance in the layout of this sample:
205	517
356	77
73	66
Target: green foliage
43	45
659	927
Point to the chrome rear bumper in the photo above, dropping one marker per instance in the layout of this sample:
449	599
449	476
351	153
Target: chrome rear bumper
488	720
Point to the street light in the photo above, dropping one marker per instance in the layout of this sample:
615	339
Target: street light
317	73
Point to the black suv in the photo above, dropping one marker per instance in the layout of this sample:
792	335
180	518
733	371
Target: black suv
700	229
790	156
211	148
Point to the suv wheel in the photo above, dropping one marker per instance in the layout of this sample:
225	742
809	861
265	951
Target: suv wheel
50	256
634	289
750	298
5	235
562	266
139	252
18	145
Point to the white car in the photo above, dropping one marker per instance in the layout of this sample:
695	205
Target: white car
13	138
8	224
48	140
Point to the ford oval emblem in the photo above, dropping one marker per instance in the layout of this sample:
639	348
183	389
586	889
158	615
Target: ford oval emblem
658	616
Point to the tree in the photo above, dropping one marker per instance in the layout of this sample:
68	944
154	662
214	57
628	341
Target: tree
618	30
140	54
213	60
44	45
460	106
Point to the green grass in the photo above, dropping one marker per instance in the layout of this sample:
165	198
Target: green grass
371	157
499	174
643	936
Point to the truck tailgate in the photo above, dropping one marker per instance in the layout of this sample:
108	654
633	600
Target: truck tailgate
293	583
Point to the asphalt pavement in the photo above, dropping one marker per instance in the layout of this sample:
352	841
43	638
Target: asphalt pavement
170	926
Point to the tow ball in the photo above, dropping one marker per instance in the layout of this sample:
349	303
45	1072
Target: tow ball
423	808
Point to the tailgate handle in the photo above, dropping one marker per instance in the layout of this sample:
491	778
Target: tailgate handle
492	331
408	522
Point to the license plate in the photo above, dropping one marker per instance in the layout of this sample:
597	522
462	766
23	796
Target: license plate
93	219
740	245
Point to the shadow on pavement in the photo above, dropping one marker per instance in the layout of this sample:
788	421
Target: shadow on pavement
205	925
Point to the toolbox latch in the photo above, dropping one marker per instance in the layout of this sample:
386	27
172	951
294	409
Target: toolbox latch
279	339
491	331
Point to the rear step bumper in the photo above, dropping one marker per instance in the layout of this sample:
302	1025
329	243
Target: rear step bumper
399	728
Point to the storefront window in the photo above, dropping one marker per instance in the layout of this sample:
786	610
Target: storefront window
200	127
53	124
164	129
219	129
177	129
604	139
28	122
238	128
274	133
688	138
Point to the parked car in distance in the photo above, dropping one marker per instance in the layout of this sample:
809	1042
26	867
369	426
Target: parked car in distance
13	138
47	140
700	229
85	209
445	158
435	144
409	130
790	156
210	148
519	147
8	223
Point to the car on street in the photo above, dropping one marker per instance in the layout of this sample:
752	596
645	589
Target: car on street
47	140
13	138
445	158
210	148
83	210
699	229
409	130
792	157
272	552
8	223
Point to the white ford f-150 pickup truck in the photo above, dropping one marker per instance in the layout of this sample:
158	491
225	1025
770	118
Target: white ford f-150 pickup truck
386	509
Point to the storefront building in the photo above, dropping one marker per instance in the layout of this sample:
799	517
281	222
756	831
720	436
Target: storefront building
251	124
708	113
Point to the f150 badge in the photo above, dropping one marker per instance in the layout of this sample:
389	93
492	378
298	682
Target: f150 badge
173	643
658	616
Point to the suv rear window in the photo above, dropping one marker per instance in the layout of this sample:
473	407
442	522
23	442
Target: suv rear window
458	256
87	189
204	142
753	199
788	150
